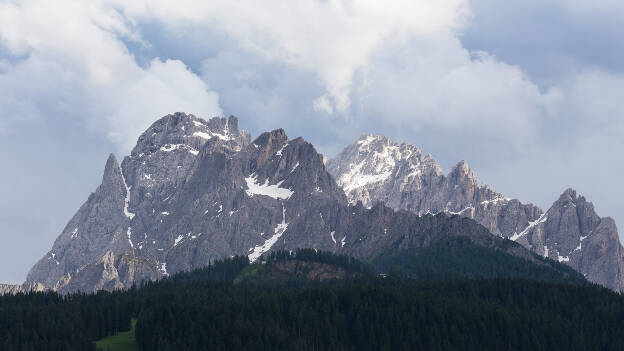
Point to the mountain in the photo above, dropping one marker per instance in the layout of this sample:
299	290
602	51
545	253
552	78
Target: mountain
571	232
99	246
376	169
193	191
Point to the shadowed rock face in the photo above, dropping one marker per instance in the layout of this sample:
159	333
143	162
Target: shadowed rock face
193	191
571	232
116	220
375	169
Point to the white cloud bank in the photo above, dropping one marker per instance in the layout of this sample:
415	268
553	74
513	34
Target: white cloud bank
333	38
402	61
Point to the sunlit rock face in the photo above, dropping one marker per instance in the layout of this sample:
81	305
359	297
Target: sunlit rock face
374	168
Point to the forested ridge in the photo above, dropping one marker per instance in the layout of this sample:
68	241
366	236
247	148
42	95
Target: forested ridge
218	308
458	257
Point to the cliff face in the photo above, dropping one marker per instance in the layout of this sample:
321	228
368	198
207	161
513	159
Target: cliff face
374	168
571	232
113	225
193	191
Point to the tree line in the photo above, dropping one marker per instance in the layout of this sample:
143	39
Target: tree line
205	310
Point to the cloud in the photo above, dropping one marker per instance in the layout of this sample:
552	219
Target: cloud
333	38
435	83
71	61
551	40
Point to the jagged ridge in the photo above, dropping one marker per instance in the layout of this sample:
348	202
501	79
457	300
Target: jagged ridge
374	168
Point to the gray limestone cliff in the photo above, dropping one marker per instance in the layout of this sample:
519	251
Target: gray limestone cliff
21	288
374	168
571	232
193	191
106	236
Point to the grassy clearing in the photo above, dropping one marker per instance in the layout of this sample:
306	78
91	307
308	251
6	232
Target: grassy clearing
119	342
248	272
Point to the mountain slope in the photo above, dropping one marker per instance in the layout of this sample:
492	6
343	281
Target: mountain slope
193	191
571	232
100	243
374	168
459	258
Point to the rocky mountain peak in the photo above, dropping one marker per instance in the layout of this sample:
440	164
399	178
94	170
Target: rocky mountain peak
111	170
375	161
271	142
462	171
571	232
569	196
181	131
576	212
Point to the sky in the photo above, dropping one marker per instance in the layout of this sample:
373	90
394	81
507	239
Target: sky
530	93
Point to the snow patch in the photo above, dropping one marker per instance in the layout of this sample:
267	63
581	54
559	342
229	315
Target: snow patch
279	153
545	251
516	236
355	178
274	191
332	236
562	258
128	214
177	240
369	139
294	167
74	233
203	135
495	201
531	225
164	213
163	268
129	234
199	124
342	242
580	245
173	147
460	212
279	231
210	135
